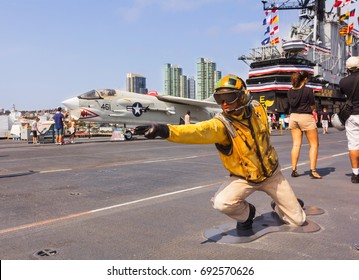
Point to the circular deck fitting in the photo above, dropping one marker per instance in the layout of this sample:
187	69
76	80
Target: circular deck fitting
45	253
312	210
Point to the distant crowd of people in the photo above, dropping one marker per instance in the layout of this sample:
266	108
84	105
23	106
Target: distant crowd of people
281	121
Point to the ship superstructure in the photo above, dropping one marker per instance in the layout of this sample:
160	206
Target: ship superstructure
318	43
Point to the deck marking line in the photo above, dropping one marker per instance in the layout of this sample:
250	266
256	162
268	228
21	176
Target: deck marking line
42	222
56	170
172	159
153	197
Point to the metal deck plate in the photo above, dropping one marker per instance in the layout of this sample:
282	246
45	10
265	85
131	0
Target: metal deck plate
266	223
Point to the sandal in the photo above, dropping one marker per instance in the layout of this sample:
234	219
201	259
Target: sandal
314	174
294	173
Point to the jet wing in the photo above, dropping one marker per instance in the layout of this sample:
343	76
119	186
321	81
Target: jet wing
187	101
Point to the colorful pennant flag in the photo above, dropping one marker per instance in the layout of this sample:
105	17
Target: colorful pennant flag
267	30
274	30
270	19
265	41
344	16
267	19
274	20
350	27
343	31
346	2
349	40
275	41
337	4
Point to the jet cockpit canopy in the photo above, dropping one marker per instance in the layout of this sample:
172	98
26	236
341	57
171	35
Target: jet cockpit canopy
98	94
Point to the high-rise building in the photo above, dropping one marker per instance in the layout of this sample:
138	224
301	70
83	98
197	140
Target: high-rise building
136	83
183	86
207	76
175	83
191	88
217	76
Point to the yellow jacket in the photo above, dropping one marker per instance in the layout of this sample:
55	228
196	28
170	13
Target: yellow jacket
243	144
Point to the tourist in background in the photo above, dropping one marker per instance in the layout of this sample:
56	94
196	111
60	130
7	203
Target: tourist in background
72	130
187	118
325	119
59	119
35	130
315	115
302	103
349	86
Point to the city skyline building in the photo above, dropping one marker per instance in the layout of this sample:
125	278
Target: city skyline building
207	76
217	77
172	80
179	85
183	86
136	83
191	82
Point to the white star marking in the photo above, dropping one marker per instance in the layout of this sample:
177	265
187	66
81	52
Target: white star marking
137	110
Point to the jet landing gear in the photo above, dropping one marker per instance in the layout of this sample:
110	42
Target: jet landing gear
263	224
128	134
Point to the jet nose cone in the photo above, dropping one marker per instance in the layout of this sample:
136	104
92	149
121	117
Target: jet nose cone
72	103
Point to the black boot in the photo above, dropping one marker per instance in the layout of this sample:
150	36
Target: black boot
248	223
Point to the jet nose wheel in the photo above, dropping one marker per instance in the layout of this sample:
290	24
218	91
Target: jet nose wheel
128	135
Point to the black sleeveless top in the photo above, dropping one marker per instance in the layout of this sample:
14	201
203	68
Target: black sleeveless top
301	100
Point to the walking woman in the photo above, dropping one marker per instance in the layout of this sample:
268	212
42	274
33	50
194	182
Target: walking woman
302	104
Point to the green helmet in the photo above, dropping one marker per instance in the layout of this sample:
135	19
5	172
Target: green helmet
230	82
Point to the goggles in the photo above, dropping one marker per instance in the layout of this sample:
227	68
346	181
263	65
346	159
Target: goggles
228	97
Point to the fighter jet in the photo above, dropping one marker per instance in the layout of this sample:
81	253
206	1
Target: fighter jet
128	108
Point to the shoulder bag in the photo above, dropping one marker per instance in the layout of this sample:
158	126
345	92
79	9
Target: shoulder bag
347	108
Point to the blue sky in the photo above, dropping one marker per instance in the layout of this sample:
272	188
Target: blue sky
51	50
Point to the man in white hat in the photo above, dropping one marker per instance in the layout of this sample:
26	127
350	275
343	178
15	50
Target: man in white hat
349	86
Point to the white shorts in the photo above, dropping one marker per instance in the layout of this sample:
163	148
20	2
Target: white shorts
325	123
352	131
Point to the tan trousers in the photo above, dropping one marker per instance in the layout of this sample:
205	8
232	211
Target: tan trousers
230	198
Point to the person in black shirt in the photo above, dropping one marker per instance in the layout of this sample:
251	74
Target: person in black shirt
348	86
302	103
